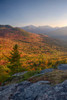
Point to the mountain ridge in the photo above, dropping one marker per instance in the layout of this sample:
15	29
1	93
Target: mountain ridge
55	32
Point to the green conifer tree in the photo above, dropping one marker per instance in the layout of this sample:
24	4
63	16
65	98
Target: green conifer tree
14	60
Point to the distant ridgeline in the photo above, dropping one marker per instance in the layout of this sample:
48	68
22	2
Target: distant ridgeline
55	32
5	26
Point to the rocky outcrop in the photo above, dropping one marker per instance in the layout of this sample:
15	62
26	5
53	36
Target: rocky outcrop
20	73
43	72
41	90
62	67
7	92
47	70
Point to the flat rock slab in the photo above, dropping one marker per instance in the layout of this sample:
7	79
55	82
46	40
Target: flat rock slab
47	70
62	67
34	91
43	72
19	74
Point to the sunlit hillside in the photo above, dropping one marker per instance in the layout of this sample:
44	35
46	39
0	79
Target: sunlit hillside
37	51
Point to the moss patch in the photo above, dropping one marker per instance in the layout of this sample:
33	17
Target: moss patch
17	79
54	77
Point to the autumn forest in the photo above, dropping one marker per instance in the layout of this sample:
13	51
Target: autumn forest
37	51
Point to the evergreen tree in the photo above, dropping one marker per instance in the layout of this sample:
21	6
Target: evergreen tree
14	60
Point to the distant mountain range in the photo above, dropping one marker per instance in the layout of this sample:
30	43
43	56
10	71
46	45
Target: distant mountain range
57	32
39	29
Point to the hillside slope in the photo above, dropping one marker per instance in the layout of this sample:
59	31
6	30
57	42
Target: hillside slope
60	33
37	51
29	42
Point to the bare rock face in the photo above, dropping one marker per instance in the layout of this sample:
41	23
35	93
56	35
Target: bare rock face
6	92
20	73
34	91
47	70
62	67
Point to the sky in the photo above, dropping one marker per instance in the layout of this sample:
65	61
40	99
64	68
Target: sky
33	12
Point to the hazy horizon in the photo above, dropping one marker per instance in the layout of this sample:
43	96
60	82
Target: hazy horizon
42	25
35	25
